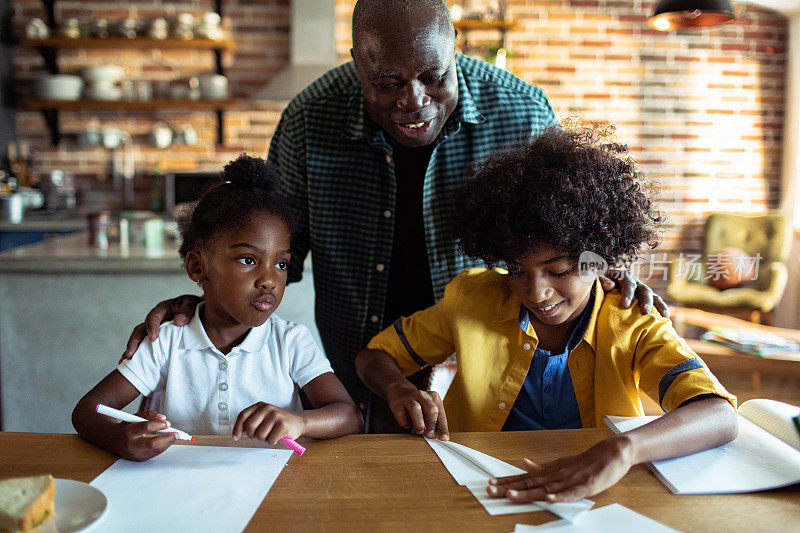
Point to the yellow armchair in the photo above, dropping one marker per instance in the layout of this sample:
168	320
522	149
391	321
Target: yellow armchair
765	238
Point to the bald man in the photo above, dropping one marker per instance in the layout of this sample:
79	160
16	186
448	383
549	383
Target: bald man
370	154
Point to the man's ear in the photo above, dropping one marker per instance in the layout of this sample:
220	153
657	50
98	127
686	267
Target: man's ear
193	262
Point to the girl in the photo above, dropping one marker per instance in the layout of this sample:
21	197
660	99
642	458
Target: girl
235	368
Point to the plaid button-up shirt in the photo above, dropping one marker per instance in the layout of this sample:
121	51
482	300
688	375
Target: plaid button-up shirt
337	170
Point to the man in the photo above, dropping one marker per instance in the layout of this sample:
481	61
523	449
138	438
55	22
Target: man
370	155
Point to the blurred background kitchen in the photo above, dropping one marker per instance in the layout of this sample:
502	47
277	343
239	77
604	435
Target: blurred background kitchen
114	112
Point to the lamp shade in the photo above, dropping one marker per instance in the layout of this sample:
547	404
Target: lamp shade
677	14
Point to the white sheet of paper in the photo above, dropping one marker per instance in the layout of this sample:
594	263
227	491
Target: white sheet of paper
189	488
495	506
754	461
609	519
473	469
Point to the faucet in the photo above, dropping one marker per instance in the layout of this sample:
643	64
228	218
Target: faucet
122	163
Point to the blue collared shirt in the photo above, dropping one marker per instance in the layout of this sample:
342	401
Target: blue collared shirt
547	397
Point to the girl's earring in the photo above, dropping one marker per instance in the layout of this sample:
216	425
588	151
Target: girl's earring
199	283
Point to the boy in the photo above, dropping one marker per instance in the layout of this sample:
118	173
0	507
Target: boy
541	346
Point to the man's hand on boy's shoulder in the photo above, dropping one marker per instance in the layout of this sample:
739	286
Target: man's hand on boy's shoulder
180	310
631	288
422	410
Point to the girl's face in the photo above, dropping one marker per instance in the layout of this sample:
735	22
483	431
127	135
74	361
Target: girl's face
548	284
244	272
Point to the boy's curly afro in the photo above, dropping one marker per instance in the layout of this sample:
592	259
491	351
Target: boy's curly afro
565	188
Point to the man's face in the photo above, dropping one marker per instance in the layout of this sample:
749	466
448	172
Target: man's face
408	75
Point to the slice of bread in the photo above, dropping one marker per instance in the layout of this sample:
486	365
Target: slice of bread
26	503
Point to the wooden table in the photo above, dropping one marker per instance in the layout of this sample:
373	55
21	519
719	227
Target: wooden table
691	323
397	483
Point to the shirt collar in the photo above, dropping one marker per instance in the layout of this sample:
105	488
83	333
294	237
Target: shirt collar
512	309
196	338
361	126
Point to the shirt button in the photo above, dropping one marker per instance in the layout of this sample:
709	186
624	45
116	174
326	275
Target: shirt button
388	158
526	346
223	386
501	405
222	406
374	319
223	365
387	214
380	267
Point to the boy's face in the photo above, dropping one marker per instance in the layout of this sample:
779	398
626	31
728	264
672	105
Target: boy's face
548	284
245	272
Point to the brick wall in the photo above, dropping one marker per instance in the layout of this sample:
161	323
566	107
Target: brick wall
700	109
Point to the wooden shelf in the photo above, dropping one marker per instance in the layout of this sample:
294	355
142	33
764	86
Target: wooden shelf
138	43
476	24
49	49
130	105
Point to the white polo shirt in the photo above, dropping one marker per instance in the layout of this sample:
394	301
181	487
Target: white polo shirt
202	390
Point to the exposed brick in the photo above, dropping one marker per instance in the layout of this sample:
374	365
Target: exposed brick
667	92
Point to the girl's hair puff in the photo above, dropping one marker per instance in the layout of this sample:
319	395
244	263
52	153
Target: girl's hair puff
249	187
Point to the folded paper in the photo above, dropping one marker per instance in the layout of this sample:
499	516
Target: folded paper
473	469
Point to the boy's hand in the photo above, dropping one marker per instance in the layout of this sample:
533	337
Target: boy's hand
266	422
134	441
629	286
180	310
421	409
569	478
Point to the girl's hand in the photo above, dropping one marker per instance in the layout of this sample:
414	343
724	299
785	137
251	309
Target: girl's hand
135	444
569	478
266	422
421	409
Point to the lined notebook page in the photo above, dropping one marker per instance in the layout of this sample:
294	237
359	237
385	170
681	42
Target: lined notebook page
754	461
774	417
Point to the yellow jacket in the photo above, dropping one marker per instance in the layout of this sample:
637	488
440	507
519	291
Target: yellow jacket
622	352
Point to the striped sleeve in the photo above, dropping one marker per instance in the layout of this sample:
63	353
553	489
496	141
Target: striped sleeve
424	338
669	370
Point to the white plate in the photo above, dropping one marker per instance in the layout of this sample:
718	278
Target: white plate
78	505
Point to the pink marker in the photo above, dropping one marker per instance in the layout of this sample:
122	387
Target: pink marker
293	445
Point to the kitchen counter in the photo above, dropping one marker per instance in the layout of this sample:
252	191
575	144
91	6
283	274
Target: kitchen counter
37	227
71	253
39	223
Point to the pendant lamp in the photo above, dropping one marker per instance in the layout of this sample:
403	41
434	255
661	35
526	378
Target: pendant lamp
678	14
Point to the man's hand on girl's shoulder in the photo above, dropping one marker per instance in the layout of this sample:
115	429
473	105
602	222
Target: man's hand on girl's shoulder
180	310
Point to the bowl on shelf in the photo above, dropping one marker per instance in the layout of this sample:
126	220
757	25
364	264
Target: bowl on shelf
102	74
57	87
213	87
